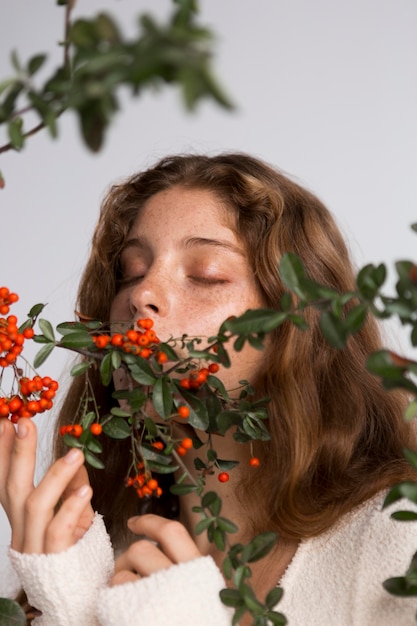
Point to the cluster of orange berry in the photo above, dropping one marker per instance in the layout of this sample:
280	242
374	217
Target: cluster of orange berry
137	342
11	341
33	395
6	299
196	378
76	430
144	483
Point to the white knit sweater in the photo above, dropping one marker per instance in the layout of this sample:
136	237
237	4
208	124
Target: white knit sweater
333	580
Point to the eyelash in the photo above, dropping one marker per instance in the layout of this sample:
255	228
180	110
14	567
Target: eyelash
130	280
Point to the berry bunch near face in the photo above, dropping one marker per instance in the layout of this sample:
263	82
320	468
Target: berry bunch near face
28	396
141	342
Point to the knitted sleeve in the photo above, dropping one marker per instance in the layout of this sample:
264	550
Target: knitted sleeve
64	586
181	595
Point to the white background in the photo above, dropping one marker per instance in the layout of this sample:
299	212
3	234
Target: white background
324	89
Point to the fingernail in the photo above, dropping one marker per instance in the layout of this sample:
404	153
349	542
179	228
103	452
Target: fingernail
21	430
82	491
72	456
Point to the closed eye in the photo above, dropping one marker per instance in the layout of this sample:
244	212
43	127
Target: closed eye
206	280
126	281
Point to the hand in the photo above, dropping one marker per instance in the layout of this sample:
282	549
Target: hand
167	542
36	528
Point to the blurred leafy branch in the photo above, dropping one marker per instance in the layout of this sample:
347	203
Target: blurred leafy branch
97	61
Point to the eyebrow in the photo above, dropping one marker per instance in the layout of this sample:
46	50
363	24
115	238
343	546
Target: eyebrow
191	242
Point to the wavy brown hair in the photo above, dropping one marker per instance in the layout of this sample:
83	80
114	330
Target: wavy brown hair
337	437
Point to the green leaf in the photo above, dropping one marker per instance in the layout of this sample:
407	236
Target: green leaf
35	63
117	428
411	457
180	490
273	597
410	413
226	525
15	131
142	372
203	524
259	547
11	613
77	339
162	398
404	516
406	489
400	587
106	369
254	321
231	597
356	317
80	368
333	330
47	329
92	460
43	354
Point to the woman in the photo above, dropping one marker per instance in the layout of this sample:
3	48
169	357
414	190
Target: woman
188	243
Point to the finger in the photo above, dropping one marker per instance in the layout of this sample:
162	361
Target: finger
7	437
40	505
142	557
77	483
19	474
19	482
64	529
172	536
123	577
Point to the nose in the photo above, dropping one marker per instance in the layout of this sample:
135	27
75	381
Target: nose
152	295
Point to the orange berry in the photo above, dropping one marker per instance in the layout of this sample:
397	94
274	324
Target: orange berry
146	323
185	383
96	428
223	477
161	357
101	341
187	443
213	368
158	445
254	461
152	484
28	333
181	451
76	430
117	339
183	411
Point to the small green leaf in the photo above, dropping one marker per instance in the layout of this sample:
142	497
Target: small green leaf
43	354
259	547
400	587
36	63
407	489
333	330
80	368
77	339
231	597
117	428
203	524
47	330
404	516
226	525
15	131
273	597
162	398
92	460
11	613
142	372
106	369
182	489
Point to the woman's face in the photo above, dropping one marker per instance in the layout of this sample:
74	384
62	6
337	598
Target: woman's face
184	267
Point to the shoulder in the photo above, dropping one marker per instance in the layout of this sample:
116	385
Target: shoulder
346	567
